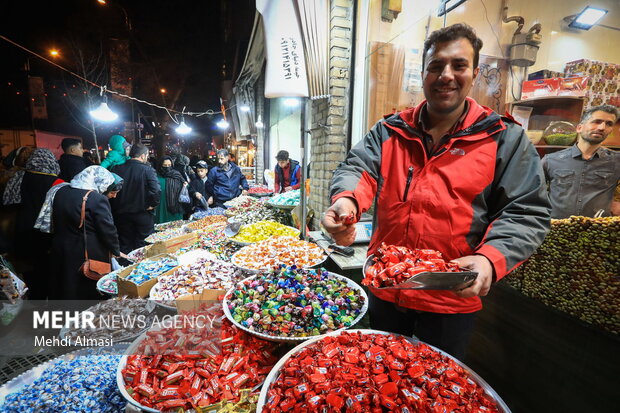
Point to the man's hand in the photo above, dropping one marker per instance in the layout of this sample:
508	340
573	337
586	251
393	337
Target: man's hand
210	201
150	208
333	221
288	188
483	267
198	195
244	192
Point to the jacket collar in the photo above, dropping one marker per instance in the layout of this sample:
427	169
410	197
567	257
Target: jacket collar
476	119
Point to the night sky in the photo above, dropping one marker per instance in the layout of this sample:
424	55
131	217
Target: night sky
177	45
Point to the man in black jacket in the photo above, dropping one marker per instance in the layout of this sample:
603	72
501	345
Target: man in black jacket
71	162
134	205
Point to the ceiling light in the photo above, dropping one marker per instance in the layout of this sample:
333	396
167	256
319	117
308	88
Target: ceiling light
587	18
259	123
222	124
244	108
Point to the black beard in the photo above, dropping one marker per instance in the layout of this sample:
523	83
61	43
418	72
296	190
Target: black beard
594	141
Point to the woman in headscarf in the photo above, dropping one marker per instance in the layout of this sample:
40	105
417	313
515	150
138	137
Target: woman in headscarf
28	188
118	154
171	183
182	165
13	163
68	283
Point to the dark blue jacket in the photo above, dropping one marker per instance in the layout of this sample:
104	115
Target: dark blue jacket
223	188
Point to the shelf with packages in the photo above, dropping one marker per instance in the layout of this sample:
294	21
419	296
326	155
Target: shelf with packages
547	109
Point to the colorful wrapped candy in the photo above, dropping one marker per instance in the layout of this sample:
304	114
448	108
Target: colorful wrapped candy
206	221
286	198
213	240
279	250
293	302
194	278
262	230
170	225
208	212
84	384
150	269
164	235
355	372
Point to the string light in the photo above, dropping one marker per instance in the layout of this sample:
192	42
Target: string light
183	129
122	95
223	124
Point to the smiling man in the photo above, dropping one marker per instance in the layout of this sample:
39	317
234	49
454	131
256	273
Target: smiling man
583	178
449	175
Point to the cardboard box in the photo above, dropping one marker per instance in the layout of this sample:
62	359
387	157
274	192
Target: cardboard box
574	86
587	67
192	302
544	74
131	289
170	246
539	88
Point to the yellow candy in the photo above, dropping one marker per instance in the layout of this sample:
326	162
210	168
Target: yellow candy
262	230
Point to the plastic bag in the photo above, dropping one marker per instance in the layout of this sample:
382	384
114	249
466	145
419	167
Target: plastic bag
184	196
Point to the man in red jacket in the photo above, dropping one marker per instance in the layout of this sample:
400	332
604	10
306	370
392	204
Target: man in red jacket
449	175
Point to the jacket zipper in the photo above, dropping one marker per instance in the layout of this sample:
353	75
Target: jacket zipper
409	176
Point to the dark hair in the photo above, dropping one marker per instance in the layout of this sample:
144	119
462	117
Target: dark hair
222	152
451	33
138	150
602	108
282	156
68	143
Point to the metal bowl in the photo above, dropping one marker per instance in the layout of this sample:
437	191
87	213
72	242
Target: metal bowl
261	194
161	303
286	207
256	271
275	371
281	339
245	244
106	277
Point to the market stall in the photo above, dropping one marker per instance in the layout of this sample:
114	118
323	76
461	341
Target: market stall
267	303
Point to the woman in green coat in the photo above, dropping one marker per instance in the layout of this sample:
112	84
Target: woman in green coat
171	183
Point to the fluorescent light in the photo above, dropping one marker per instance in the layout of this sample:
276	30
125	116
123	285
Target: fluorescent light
103	113
259	123
244	108
183	129
291	102
587	18
222	124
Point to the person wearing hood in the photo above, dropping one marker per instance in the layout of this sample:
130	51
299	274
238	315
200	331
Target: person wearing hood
72	161
118	154
61	215
181	164
197	187
14	162
171	183
27	189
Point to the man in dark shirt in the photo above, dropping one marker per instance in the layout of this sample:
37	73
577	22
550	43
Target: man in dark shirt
582	179
71	162
134	205
287	173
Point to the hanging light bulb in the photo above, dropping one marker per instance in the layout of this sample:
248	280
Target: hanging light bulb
103	112
244	108
259	123
183	129
222	124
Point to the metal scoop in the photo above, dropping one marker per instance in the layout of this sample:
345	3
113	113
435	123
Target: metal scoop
232	229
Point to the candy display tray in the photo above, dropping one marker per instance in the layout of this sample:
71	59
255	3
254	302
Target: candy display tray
29	376
275	371
281	339
256	271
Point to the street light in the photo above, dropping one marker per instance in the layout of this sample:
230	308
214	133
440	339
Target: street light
127	21
162	91
222	124
54	53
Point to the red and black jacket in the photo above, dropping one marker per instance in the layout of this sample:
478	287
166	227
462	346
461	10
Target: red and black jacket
482	191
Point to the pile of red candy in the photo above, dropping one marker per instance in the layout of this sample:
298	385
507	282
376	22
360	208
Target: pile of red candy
394	265
259	190
374	373
202	377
